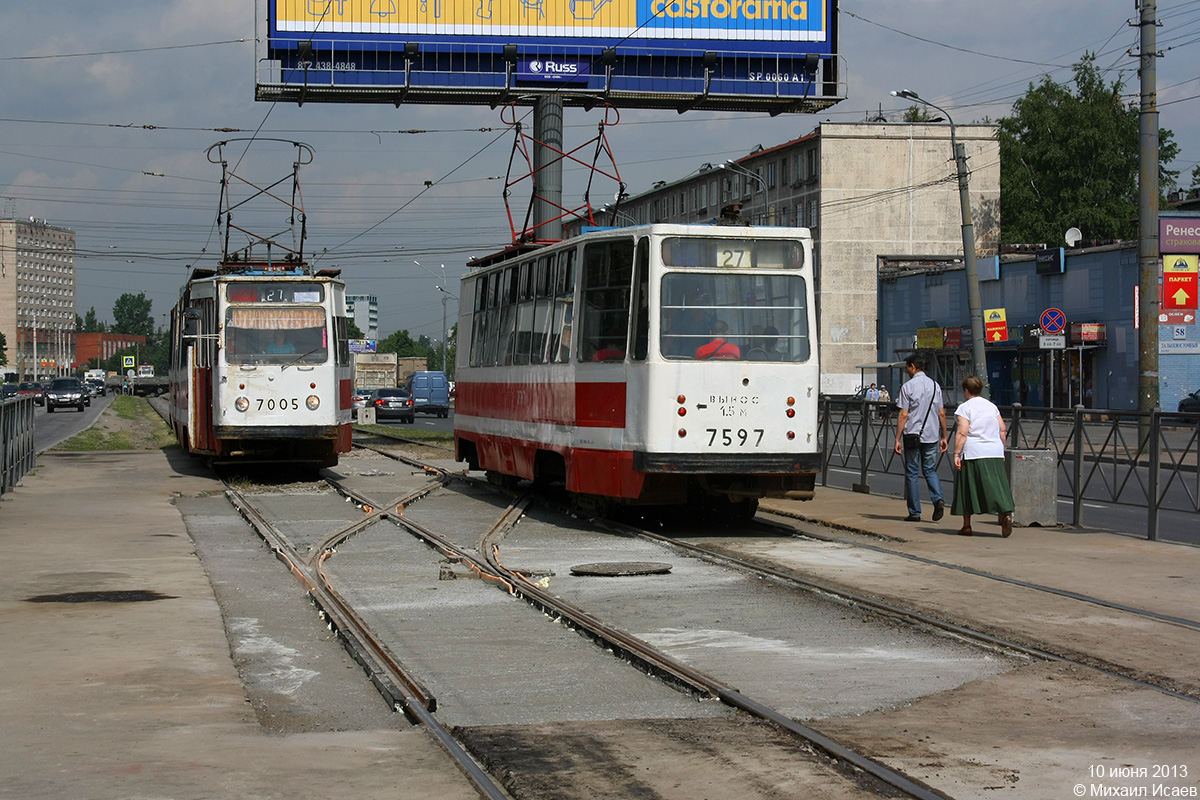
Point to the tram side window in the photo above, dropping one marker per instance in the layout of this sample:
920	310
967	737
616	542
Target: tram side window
203	343
341	333
641	302
508	317
542	311
564	308
607	276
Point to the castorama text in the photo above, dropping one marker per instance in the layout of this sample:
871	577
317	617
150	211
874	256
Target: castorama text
731	9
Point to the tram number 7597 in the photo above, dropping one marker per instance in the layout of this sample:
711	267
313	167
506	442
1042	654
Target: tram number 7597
729	437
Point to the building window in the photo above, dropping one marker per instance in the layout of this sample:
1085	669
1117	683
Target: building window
771	175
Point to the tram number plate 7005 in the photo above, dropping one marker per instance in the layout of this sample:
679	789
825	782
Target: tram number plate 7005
728	437
278	404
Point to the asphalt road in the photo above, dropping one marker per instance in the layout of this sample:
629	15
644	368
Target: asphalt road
65	422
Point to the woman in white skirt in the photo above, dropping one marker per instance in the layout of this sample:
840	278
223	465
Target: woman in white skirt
982	485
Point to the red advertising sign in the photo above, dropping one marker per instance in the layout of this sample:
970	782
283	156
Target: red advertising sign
1179	290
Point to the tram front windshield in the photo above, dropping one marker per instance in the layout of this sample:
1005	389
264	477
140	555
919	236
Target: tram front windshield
748	302
266	335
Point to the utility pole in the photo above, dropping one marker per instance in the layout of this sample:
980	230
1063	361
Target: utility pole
1148	255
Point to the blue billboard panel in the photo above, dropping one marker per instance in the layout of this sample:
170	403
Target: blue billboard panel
778	55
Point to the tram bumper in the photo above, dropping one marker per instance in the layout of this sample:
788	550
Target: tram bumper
737	476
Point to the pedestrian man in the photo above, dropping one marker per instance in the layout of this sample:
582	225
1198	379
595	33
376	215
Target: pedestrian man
920	437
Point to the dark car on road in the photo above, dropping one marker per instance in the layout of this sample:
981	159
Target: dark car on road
8	390
1191	403
393	404
34	390
64	392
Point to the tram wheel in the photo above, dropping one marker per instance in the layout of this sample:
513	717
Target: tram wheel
508	482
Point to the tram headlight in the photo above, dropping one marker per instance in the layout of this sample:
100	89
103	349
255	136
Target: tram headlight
241	404
313	402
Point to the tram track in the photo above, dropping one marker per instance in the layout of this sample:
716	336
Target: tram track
404	692
981	638
394	681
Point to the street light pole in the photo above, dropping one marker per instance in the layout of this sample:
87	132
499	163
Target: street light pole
445	293
974	308
738	168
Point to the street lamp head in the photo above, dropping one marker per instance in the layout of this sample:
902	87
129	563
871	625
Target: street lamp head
907	94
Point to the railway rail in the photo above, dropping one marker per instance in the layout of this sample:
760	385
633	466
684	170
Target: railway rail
405	692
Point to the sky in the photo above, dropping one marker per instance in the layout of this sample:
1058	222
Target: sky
107	111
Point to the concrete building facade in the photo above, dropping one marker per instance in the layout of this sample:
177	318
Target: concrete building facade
37	297
862	189
364	310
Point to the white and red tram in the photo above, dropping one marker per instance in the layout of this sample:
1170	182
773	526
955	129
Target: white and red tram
260	366
661	364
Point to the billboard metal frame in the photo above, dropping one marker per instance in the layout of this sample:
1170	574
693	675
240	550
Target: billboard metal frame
664	54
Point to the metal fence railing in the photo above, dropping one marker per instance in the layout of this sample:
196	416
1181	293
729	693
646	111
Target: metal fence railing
17	455
1141	459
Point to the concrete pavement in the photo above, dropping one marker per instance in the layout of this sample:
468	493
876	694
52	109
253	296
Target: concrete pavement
141	699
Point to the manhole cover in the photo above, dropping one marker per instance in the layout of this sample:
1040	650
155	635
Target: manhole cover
613	569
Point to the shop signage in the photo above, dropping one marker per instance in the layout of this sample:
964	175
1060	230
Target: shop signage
1179	235
1165	347
1088	332
995	325
1050	262
929	338
1179	286
1176	317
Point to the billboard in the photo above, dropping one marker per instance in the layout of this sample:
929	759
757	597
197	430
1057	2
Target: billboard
775	55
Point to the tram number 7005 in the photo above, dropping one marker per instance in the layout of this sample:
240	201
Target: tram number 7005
729	437
282	404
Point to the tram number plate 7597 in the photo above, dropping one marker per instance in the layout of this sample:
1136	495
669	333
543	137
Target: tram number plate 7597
728	437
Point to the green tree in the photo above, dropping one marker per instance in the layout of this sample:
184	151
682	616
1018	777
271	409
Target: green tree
3	350
400	343
132	314
353	331
919	113
1070	159
89	322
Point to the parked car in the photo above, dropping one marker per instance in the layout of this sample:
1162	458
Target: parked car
64	392
35	390
393	404
1191	403
8	390
359	399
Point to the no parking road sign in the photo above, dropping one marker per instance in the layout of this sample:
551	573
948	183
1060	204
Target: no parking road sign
1053	321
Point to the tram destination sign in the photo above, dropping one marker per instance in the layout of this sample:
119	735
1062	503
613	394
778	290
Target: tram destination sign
775	55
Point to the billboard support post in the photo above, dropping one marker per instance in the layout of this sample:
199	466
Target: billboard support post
547	163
